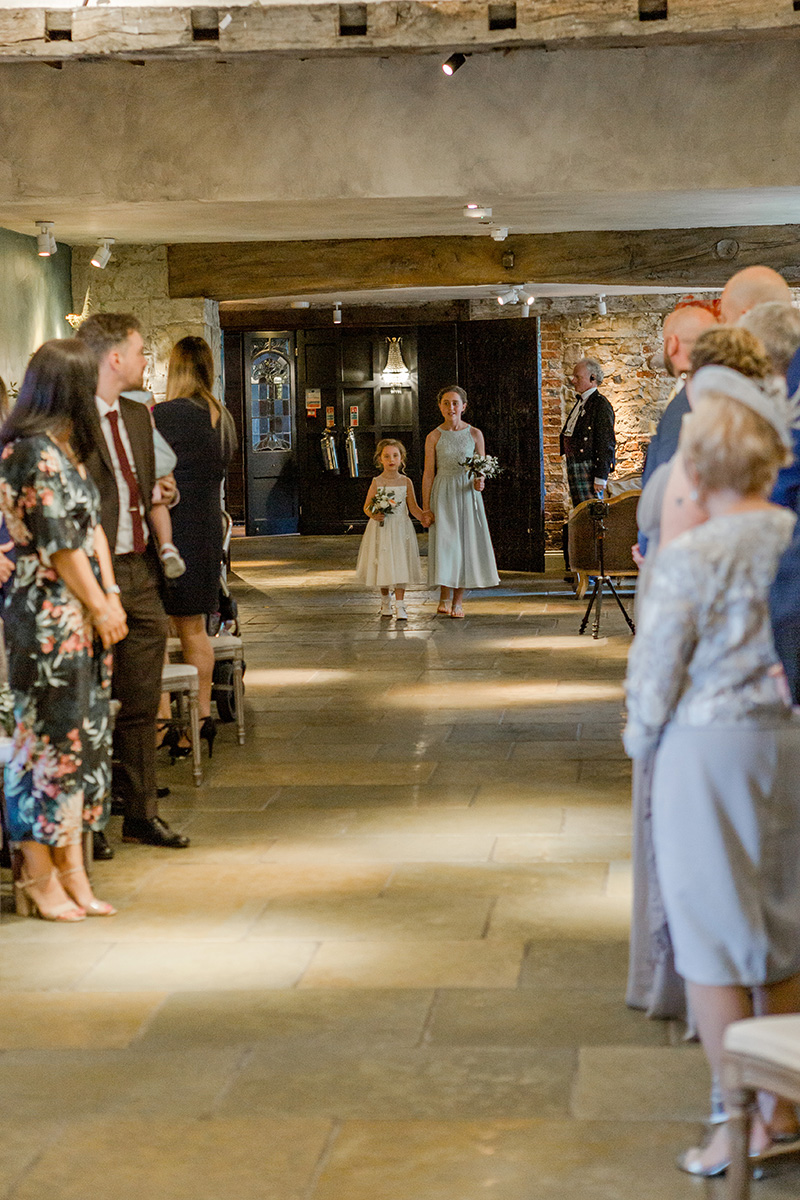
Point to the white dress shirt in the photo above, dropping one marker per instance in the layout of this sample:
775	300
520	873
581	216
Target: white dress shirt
125	524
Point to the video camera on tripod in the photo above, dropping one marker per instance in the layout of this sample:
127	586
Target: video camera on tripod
598	510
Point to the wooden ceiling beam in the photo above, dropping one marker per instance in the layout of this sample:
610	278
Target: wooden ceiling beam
381	26
655	257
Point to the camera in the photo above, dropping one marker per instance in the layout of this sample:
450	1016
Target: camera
598	509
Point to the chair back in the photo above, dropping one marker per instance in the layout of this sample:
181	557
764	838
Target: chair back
621	533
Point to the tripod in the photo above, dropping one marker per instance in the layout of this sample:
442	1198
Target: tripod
598	512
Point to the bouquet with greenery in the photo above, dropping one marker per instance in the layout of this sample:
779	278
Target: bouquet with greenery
383	502
484	466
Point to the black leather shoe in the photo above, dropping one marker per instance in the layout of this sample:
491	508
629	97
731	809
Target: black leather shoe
152	832
101	851
162	793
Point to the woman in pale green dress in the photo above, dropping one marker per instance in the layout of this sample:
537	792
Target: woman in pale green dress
460	553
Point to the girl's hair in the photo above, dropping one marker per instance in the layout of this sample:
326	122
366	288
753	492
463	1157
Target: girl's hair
190	375
729	446
381	446
58	391
451	387
734	347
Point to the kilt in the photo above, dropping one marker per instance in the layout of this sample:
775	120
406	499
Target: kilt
580	477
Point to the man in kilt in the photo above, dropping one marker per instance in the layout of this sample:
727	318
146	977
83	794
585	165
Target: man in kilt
587	440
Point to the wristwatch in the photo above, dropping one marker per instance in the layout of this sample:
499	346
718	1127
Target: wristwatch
114	590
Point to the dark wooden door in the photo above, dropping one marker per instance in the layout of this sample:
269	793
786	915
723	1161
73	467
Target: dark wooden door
499	367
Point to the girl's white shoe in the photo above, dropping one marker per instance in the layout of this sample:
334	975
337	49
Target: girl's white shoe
386	606
400	609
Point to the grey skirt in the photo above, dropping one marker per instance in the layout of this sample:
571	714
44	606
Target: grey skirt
726	833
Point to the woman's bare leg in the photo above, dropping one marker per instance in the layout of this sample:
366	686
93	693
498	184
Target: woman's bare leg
197	650
458	598
38	863
445	603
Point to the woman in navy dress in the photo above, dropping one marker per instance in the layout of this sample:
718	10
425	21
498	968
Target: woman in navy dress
202	434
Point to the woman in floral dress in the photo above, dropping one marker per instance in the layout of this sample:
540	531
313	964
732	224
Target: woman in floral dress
61	618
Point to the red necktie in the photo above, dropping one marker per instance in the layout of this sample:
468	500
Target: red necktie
130	479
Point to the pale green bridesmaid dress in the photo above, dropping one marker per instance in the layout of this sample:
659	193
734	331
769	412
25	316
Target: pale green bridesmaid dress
460	553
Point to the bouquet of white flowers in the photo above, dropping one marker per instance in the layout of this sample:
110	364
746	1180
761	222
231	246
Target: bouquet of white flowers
484	466
383	502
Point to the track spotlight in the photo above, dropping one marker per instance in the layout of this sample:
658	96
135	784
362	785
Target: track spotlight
500	233
103	253
527	296
477	211
45	240
509	297
454	63
301	304
337	313
602	307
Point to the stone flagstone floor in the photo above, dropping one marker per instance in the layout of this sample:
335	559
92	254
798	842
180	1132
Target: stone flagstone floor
391	966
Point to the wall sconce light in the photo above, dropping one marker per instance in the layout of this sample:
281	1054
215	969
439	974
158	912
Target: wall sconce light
602	307
337	313
477	211
509	297
45	240
395	374
102	254
454	63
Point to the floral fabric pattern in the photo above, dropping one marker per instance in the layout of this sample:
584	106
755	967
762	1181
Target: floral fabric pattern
59	776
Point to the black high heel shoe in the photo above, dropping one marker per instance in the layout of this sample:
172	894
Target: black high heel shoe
171	740
208	730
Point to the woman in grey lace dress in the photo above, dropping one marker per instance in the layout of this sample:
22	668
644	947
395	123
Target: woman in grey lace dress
704	692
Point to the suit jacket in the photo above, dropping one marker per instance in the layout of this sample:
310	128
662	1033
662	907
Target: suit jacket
784	608
593	440
101	466
664	443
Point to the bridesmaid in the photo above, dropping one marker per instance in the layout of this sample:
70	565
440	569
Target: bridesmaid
460	553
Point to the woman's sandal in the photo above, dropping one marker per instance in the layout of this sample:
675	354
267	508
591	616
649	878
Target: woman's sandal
97	908
445	608
457	613
28	906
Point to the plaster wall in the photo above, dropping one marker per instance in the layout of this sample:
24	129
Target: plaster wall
35	300
561	138
135	280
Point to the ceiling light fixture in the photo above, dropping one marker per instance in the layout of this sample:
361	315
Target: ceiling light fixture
45	240
301	304
337	313
509	297
527	296
500	233
477	211
602	307
102	254
454	63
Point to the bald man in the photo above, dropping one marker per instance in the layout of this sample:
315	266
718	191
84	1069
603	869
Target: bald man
682	328
749	287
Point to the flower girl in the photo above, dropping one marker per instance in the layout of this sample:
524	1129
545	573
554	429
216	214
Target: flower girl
388	557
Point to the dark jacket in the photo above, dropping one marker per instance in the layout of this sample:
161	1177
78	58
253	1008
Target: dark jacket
664	442
593	439
784	608
101	467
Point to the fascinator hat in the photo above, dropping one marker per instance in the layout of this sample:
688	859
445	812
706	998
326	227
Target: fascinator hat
766	397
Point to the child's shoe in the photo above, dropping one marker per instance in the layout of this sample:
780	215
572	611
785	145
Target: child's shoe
400	609
386	606
171	561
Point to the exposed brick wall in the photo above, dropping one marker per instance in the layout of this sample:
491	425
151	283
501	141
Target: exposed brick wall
623	342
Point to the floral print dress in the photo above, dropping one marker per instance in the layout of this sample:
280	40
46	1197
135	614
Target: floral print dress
59	776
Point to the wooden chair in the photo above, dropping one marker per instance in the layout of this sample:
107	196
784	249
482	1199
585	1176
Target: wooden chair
227	647
621	533
760	1053
180	679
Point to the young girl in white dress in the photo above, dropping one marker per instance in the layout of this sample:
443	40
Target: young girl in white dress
389	557
460	553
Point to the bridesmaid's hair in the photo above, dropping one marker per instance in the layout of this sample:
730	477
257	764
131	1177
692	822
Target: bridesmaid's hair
190	375
58	390
729	446
381	446
451	387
